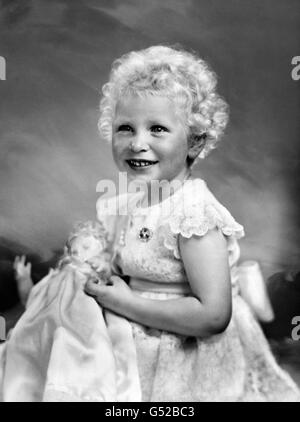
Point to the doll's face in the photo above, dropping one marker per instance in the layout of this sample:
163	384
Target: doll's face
86	247
149	140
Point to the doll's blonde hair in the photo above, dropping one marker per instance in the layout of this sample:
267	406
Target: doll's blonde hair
87	228
176	74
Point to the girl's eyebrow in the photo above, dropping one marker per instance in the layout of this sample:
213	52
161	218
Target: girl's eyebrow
124	121
159	122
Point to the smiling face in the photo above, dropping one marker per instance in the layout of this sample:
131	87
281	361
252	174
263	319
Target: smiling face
149	140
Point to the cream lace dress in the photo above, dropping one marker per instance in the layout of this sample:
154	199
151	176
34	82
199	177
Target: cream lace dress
236	365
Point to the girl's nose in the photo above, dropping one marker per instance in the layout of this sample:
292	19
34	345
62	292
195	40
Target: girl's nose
138	145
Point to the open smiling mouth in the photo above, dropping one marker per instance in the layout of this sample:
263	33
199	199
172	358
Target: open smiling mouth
140	164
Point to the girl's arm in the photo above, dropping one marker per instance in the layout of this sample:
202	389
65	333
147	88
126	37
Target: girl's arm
206	264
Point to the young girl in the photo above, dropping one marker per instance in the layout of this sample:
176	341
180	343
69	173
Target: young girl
62	348
195	337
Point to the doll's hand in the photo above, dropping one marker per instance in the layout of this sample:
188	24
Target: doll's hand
116	295
23	277
22	270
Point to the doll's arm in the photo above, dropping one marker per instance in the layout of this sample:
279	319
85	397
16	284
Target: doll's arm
23	277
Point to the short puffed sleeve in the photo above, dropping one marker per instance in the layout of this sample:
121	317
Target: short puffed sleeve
194	211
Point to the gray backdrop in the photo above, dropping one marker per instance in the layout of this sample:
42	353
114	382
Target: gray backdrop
58	55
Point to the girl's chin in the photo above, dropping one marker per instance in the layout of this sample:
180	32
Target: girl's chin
143	178
149	173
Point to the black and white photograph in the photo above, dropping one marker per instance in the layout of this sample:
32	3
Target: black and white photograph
149	203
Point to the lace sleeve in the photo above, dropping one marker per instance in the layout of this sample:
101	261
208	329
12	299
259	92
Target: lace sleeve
195	213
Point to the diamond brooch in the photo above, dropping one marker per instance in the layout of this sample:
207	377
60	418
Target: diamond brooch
145	234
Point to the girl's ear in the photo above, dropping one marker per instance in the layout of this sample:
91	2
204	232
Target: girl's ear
196	145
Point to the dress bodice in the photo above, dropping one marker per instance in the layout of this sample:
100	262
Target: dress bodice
149	260
191	210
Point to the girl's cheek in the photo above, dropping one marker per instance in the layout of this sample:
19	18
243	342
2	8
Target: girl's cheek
117	153
119	149
118	144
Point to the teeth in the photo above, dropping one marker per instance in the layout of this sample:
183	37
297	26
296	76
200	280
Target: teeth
140	163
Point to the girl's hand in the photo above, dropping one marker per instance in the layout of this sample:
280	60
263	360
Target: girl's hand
116	295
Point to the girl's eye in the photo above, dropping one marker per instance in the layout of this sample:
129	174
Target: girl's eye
124	128
158	129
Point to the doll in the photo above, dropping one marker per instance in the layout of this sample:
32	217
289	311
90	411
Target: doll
64	347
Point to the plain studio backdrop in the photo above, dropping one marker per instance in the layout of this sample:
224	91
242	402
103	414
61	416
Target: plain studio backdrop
58	54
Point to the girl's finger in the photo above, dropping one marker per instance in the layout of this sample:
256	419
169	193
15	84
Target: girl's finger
90	290
93	279
92	287
114	279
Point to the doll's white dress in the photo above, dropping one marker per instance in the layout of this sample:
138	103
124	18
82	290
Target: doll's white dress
236	365
64	348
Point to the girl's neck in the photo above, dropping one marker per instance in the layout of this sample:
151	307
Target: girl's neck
156	194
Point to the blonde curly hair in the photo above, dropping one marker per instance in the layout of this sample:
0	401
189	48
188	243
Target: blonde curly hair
86	228
178	75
